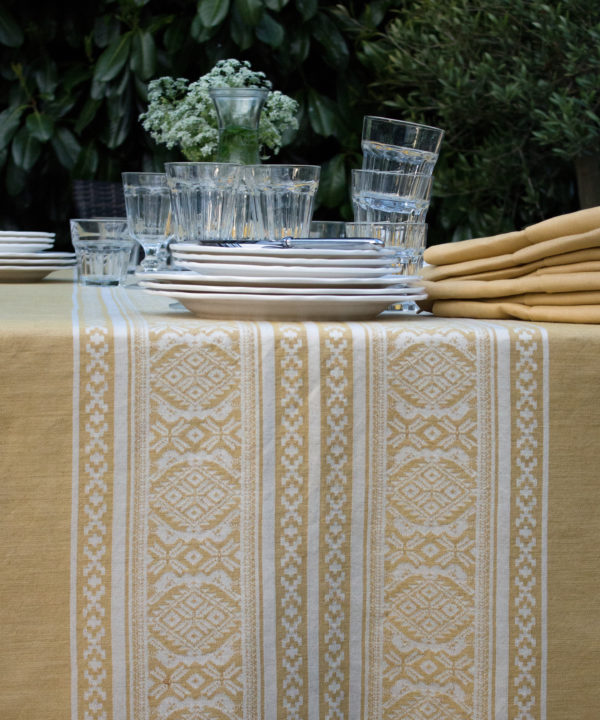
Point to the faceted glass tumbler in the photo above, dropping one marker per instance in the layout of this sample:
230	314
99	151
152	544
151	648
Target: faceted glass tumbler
284	197
203	197
389	144
103	248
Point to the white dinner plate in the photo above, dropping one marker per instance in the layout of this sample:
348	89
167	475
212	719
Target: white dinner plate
20	273
254	250
44	262
258	289
11	247
236	306
384	262
18	234
244	271
187	276
35	255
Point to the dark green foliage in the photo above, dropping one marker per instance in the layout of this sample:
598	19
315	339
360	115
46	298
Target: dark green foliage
74	76
516	86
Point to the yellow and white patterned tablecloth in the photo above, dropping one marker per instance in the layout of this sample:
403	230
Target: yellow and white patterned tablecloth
208	520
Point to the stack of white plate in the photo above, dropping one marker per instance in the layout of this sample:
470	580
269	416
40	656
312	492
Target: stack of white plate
312	280
27	256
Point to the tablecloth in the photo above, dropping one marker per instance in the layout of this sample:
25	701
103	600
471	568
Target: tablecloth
210	520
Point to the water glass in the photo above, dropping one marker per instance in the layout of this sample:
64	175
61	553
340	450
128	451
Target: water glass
409	239
247	225
379	196
328	229
103	248
148	207
203	195
284	197
389	144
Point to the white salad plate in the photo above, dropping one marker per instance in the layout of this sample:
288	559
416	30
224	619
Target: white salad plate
187	277
20	273
245	270
32	247
385	261
258	289
46	262
36	255
240	306
255	250
25	234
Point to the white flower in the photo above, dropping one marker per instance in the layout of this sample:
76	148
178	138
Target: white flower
182	114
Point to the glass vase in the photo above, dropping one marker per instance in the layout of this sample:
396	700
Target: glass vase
238	113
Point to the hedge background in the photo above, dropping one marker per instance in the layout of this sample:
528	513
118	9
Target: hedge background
73	82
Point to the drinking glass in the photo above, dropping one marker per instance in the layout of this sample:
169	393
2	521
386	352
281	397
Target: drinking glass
103	248
148	207
203	195
389	144
408	238
284	197
328	229
379	196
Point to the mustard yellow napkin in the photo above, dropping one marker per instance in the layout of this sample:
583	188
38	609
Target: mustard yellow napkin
562	226
556	251
518	311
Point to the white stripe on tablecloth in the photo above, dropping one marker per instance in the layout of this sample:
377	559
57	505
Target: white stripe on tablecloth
74	505
119	494
268	519
544	548
359	453
314	509
502	548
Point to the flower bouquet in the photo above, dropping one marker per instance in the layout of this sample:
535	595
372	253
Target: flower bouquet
182	114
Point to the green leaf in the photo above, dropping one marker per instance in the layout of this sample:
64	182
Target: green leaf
66	147
87	114
276	5
332	184
212	12
25	149
112	60
270	31
299	47
106	30
307	8
241	32
322	113
16	179
46	77
10	33
87	163
9	124
249	11
40	126
335	49
143	55
119	120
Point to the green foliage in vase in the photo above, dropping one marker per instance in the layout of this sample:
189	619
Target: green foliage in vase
182	114
74	80
516	86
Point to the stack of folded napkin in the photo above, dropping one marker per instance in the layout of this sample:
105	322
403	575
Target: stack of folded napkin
549	271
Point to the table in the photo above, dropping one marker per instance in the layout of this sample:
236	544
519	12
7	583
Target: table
205	520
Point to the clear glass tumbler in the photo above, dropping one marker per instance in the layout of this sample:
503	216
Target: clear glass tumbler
148	207
203	197
407	238
103	248
389	144
284	196
379	196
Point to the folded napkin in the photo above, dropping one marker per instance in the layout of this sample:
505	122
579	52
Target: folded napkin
548	272
566	225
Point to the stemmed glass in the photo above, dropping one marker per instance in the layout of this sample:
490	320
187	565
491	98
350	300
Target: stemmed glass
148	207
